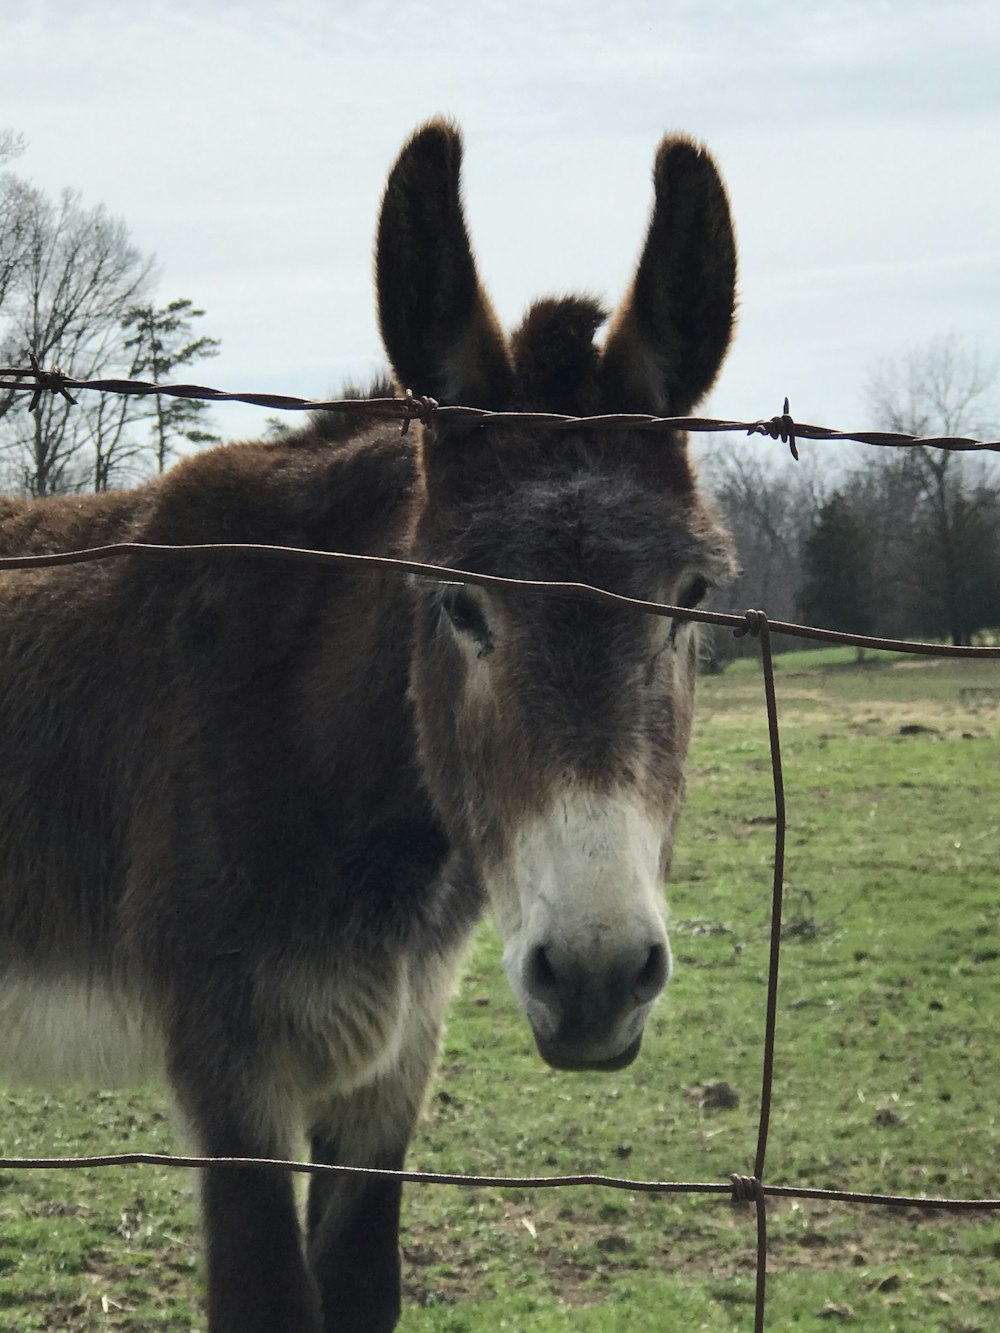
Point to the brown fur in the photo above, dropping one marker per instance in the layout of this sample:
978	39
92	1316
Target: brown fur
254	807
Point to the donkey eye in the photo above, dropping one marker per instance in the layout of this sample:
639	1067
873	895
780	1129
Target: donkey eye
467	618
693	593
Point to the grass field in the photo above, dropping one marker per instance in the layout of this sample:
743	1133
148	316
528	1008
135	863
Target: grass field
886	1073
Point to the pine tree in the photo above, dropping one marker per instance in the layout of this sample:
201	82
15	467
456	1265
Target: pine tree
161	342
837	589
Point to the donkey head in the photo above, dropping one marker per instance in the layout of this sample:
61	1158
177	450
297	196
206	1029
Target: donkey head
553	729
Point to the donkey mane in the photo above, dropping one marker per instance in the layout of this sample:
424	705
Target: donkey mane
334	427
555	360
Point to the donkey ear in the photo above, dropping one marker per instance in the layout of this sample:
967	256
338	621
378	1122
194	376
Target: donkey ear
668	340
438	327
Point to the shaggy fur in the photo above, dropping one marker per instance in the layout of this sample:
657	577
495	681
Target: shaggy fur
250	811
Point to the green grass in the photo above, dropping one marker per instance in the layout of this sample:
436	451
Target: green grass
886	1076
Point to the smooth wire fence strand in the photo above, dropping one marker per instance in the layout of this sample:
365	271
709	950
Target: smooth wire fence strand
736	1190
447	574
757	626
741	1188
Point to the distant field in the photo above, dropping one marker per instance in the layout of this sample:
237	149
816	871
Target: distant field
886	1074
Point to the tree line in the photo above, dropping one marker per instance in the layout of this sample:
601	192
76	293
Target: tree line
78	295
894	542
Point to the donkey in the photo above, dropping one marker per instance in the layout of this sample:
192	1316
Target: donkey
250	811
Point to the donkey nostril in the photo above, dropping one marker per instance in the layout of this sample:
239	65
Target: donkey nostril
540	975
653	975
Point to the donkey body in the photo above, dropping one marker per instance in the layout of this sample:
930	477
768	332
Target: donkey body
250	811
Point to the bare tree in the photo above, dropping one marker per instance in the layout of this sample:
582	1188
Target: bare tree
902	542
768	502
17	204
11	146
75	276
74	293
944	388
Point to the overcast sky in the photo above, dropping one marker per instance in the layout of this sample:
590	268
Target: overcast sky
245	145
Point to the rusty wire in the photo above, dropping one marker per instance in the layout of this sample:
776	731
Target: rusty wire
36	381
741	1188
739	623
756	624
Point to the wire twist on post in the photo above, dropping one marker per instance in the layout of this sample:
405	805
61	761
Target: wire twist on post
753	622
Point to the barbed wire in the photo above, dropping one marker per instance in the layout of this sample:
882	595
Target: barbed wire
36	381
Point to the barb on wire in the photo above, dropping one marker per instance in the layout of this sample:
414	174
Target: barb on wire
419	409
780	428
32	379
48	381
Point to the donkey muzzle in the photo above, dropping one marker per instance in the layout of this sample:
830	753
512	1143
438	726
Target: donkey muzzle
590	1014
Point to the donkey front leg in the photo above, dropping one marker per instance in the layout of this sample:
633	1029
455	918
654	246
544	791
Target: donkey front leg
353	1220
257	1276
354	1241
258	1280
